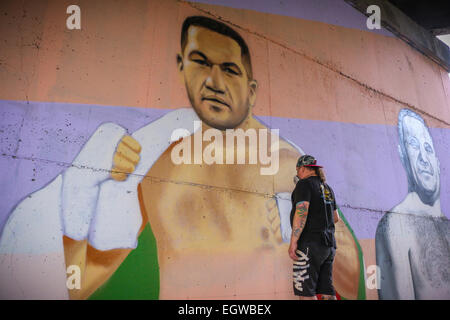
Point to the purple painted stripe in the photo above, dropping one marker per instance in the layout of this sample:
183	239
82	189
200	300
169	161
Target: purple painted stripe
38	140
363	165
328	11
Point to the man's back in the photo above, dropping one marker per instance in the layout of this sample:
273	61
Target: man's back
320	224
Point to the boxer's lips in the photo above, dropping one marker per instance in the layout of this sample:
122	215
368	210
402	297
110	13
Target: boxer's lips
216	100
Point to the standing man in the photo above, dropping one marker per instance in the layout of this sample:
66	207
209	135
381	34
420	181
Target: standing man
313	245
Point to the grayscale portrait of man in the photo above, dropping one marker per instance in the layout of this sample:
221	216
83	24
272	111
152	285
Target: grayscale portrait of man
418	157
412	239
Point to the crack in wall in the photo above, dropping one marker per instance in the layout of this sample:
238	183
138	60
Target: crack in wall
370	211
154	179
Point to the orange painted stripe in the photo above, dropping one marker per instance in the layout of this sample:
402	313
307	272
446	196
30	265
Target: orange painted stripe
124	55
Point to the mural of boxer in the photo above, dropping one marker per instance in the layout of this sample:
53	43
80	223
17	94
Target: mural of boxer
134	221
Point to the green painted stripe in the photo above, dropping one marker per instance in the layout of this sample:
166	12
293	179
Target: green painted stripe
362	280
137	277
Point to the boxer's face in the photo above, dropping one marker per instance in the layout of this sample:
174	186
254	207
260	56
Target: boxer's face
216	80
421	156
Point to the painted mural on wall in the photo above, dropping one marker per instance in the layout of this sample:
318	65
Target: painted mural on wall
210	242
412	239
190	197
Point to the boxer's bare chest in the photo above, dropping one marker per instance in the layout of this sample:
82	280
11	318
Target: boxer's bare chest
429	254
197	207
214	224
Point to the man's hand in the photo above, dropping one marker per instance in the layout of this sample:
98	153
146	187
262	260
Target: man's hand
125	158
292	249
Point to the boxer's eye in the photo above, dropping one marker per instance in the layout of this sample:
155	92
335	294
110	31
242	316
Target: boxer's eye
201	62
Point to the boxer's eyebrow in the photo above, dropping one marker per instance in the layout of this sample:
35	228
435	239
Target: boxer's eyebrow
232	67
197	56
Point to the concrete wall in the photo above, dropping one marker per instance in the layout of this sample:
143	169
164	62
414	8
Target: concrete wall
331	87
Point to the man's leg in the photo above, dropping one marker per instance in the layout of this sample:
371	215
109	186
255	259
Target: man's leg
305	273
325	283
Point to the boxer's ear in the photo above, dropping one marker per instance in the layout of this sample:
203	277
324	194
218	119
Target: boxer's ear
253	87
180	67
179	62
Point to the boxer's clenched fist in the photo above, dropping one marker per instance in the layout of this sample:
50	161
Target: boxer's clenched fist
125	158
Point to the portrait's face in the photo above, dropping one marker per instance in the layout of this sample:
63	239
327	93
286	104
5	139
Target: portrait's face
422	158
216	80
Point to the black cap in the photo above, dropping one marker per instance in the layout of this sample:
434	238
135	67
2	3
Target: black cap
307	161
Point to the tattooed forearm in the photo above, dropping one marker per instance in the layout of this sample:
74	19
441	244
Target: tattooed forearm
302	223
302	208
299	219
298	228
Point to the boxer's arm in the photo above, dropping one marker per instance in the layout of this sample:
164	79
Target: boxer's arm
97	266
